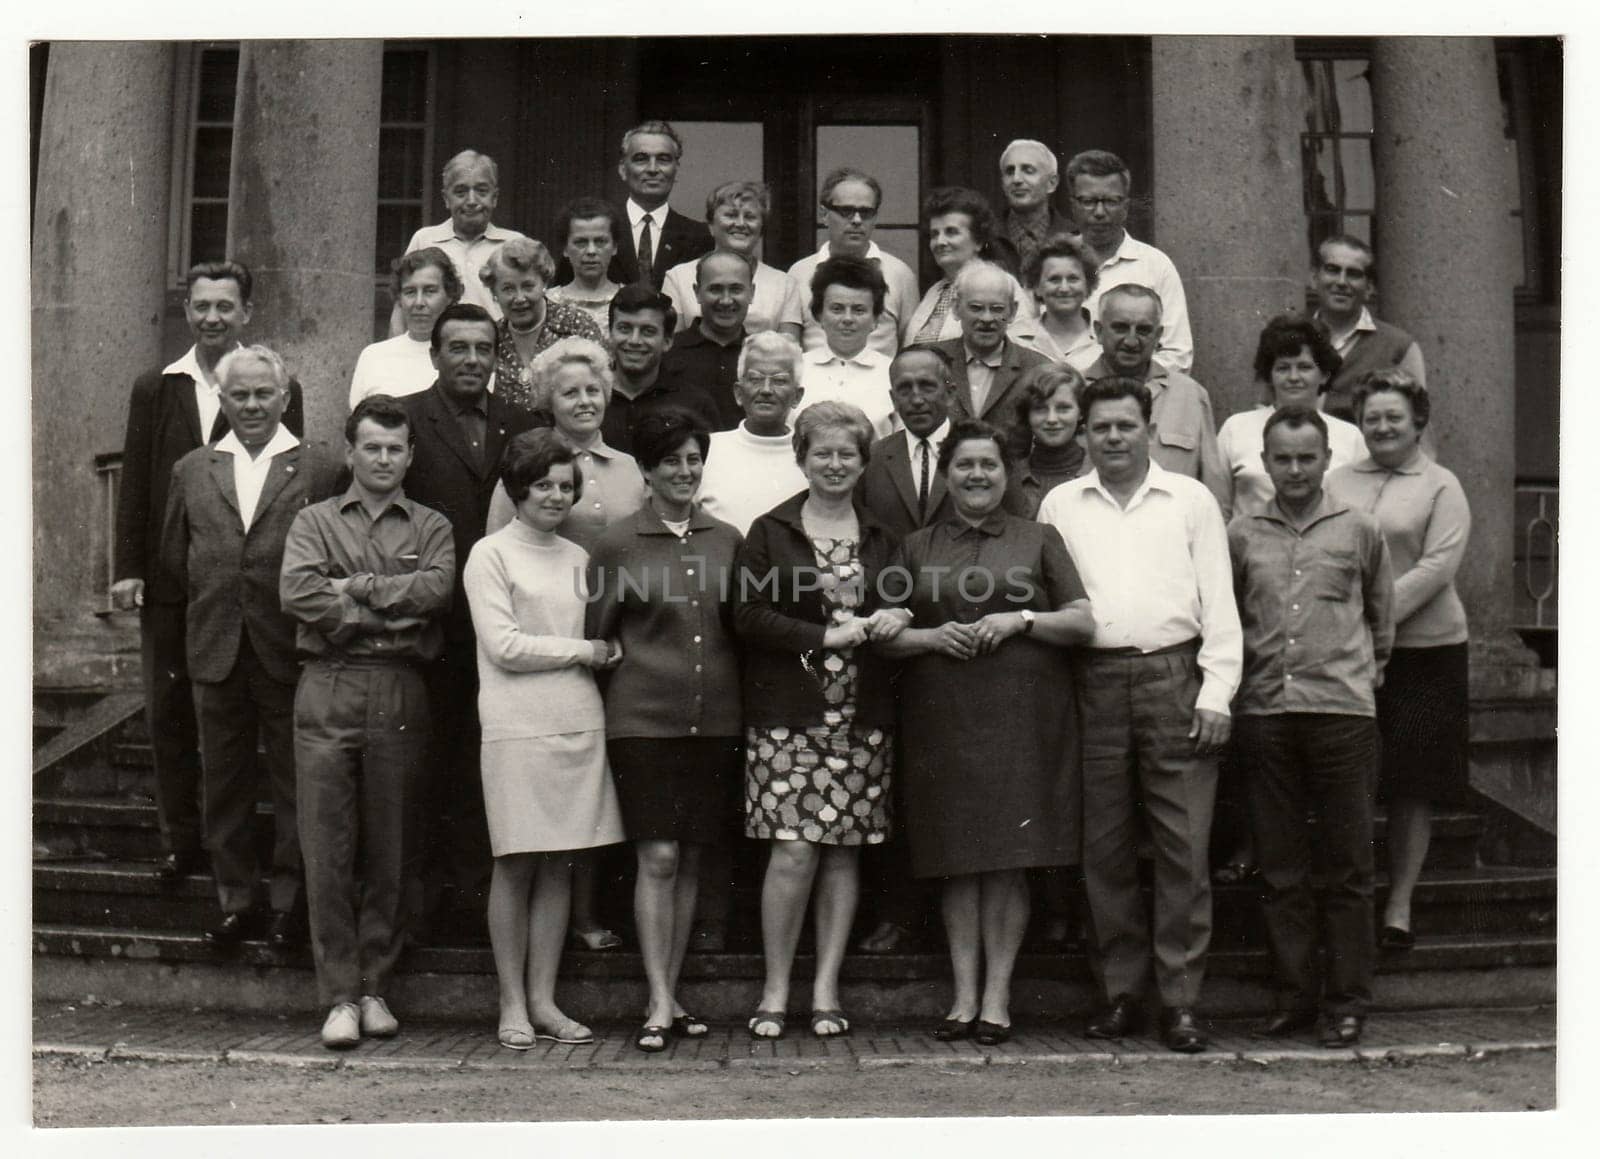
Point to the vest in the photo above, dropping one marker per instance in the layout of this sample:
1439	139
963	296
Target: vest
1377	349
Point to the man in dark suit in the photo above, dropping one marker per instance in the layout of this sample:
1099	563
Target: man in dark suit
903	490
171	412
460	431
657	236
986	364
228	515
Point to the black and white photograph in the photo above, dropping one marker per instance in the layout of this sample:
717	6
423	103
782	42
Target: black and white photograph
830	571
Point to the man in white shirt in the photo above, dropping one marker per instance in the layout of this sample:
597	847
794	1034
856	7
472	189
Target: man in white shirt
847	294
228	516
1098	188
471	192
848	209
1153	693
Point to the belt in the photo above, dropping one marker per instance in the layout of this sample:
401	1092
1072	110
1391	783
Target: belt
1190	645
364	661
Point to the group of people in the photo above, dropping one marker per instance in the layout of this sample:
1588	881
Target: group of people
684	543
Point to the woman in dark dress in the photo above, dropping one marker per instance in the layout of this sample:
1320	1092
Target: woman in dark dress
661	580
988	734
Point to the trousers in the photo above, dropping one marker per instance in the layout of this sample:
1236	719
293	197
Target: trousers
170	716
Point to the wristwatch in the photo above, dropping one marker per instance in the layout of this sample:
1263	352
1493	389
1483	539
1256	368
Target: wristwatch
1027	620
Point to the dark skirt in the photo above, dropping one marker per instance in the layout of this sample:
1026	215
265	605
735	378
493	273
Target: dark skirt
678	788
1422	720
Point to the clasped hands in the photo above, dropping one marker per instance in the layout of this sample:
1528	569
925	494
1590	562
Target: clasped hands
964	641
883	625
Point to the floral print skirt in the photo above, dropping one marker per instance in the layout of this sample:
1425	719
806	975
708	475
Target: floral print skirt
827	784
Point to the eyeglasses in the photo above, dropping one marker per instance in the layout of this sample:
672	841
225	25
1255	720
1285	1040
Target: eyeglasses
776	381
1090	203
847	212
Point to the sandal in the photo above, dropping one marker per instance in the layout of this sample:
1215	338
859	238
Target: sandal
688	1026
570	1033
593	940
825	1018
652	1039
1235	873
516	1036
777	1019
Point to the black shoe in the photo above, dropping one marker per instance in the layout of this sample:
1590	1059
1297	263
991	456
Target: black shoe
285	930
1394	940
954	1030
990	1033
174	867
1181	1032
230	931
1285	1023
1117	1020
1342	1030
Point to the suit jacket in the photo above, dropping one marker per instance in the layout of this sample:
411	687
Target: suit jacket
229	575
163	427
444	475
1000	406
680	239
1004	253
889	493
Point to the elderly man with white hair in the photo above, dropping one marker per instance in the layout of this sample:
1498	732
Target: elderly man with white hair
228	516
987	366
751	469
1028	178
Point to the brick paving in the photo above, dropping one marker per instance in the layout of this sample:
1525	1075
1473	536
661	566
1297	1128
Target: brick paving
101	1031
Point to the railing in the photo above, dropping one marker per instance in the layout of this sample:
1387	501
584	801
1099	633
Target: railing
1537	555
103	549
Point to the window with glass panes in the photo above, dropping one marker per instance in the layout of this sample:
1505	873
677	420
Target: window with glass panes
205	236
1336	148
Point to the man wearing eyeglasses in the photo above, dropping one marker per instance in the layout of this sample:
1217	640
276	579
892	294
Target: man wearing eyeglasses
1028	177
849	211
1099	185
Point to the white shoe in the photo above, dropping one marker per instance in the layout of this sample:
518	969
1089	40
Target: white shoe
376	1020
342	1029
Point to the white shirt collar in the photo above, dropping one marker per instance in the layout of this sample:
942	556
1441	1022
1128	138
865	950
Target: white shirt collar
636	214
189	363
935	440
282	440
826	248
1130	250
1155	479
866	356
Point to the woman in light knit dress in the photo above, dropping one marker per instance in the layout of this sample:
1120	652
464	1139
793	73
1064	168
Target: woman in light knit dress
546	787
1422	705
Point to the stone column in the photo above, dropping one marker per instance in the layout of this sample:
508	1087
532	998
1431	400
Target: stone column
99	275
302	209
1447	254
1227	195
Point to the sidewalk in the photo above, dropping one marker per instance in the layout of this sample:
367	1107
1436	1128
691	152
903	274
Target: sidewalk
93	1030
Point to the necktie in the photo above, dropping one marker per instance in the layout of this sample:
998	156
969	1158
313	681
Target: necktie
647	252
941	310
922	483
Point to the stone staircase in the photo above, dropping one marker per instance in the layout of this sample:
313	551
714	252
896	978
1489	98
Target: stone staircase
104	925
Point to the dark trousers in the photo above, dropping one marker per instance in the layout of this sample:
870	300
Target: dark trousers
1321	763
360	747
169	715
455	832
246	708
1138	757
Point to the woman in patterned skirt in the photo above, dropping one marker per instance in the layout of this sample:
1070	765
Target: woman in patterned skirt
818	706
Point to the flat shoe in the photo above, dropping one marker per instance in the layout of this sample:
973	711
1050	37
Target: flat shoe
762	1018
652	1039
688	1026
1394	938
822	1018
516	1037
990	1033
593	940
571	1033
953	1030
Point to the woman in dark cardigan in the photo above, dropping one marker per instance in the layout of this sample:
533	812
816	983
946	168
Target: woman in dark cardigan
818	706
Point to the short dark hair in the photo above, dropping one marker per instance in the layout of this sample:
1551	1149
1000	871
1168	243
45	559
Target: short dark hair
1288	334
1295	418
1354	243
1393	381
1112	387
1098	163
639	296
582	209
236	272
1061	245
1038	384
409	263
852	273
973	430
383	409
959	199
661	431
944	359
529	457
845	173
459	312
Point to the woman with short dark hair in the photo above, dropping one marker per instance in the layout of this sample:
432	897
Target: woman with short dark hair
589	232
960	229
424	283
1046	427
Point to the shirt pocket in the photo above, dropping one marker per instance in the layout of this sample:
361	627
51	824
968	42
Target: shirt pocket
1335	576
1177	440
